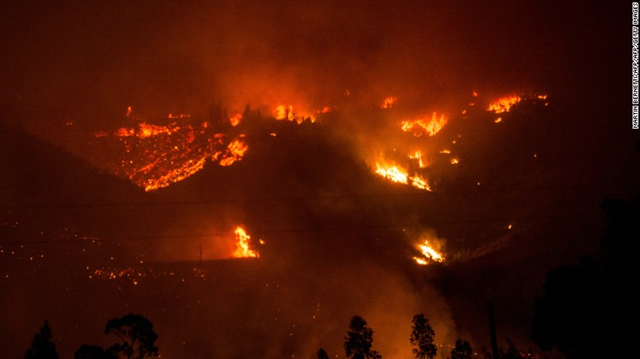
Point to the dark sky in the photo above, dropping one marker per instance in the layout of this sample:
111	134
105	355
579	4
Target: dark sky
338	239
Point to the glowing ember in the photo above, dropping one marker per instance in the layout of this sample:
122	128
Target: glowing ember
165	179
429	254
421	127
181	115
242	245
455	161
155	156
389	102
504	104
145	130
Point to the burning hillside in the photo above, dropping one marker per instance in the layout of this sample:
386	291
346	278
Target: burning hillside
397	159
154	156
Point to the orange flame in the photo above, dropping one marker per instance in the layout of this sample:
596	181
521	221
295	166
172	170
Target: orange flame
235	151
235	119
169	177
284	112
389	102
392	173
421	127
504	104
147	130
155	156
429	254
418	157
242	245
397	174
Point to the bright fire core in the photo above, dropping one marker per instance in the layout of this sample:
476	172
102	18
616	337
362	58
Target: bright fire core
429	254
242	245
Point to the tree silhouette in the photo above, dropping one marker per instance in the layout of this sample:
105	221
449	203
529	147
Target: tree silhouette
359	339
41	346
590	309
92	352
422	336
512	352
136	335
322	354
462	350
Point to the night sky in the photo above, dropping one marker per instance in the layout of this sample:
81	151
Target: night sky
513	195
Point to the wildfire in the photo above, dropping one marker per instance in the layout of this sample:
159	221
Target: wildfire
504	104
242	245
284	112
397	174
389	102
235	151
235	119
180	115
429	254
146	130
421	126
155	156
393	173
417	156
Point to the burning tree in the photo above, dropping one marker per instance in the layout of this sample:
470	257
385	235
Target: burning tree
422	336
42	347
137	336
359	339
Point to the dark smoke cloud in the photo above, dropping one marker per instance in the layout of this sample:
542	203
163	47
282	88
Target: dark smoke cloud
91	61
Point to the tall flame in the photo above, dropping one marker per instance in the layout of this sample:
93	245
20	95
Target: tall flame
242	245
284	113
